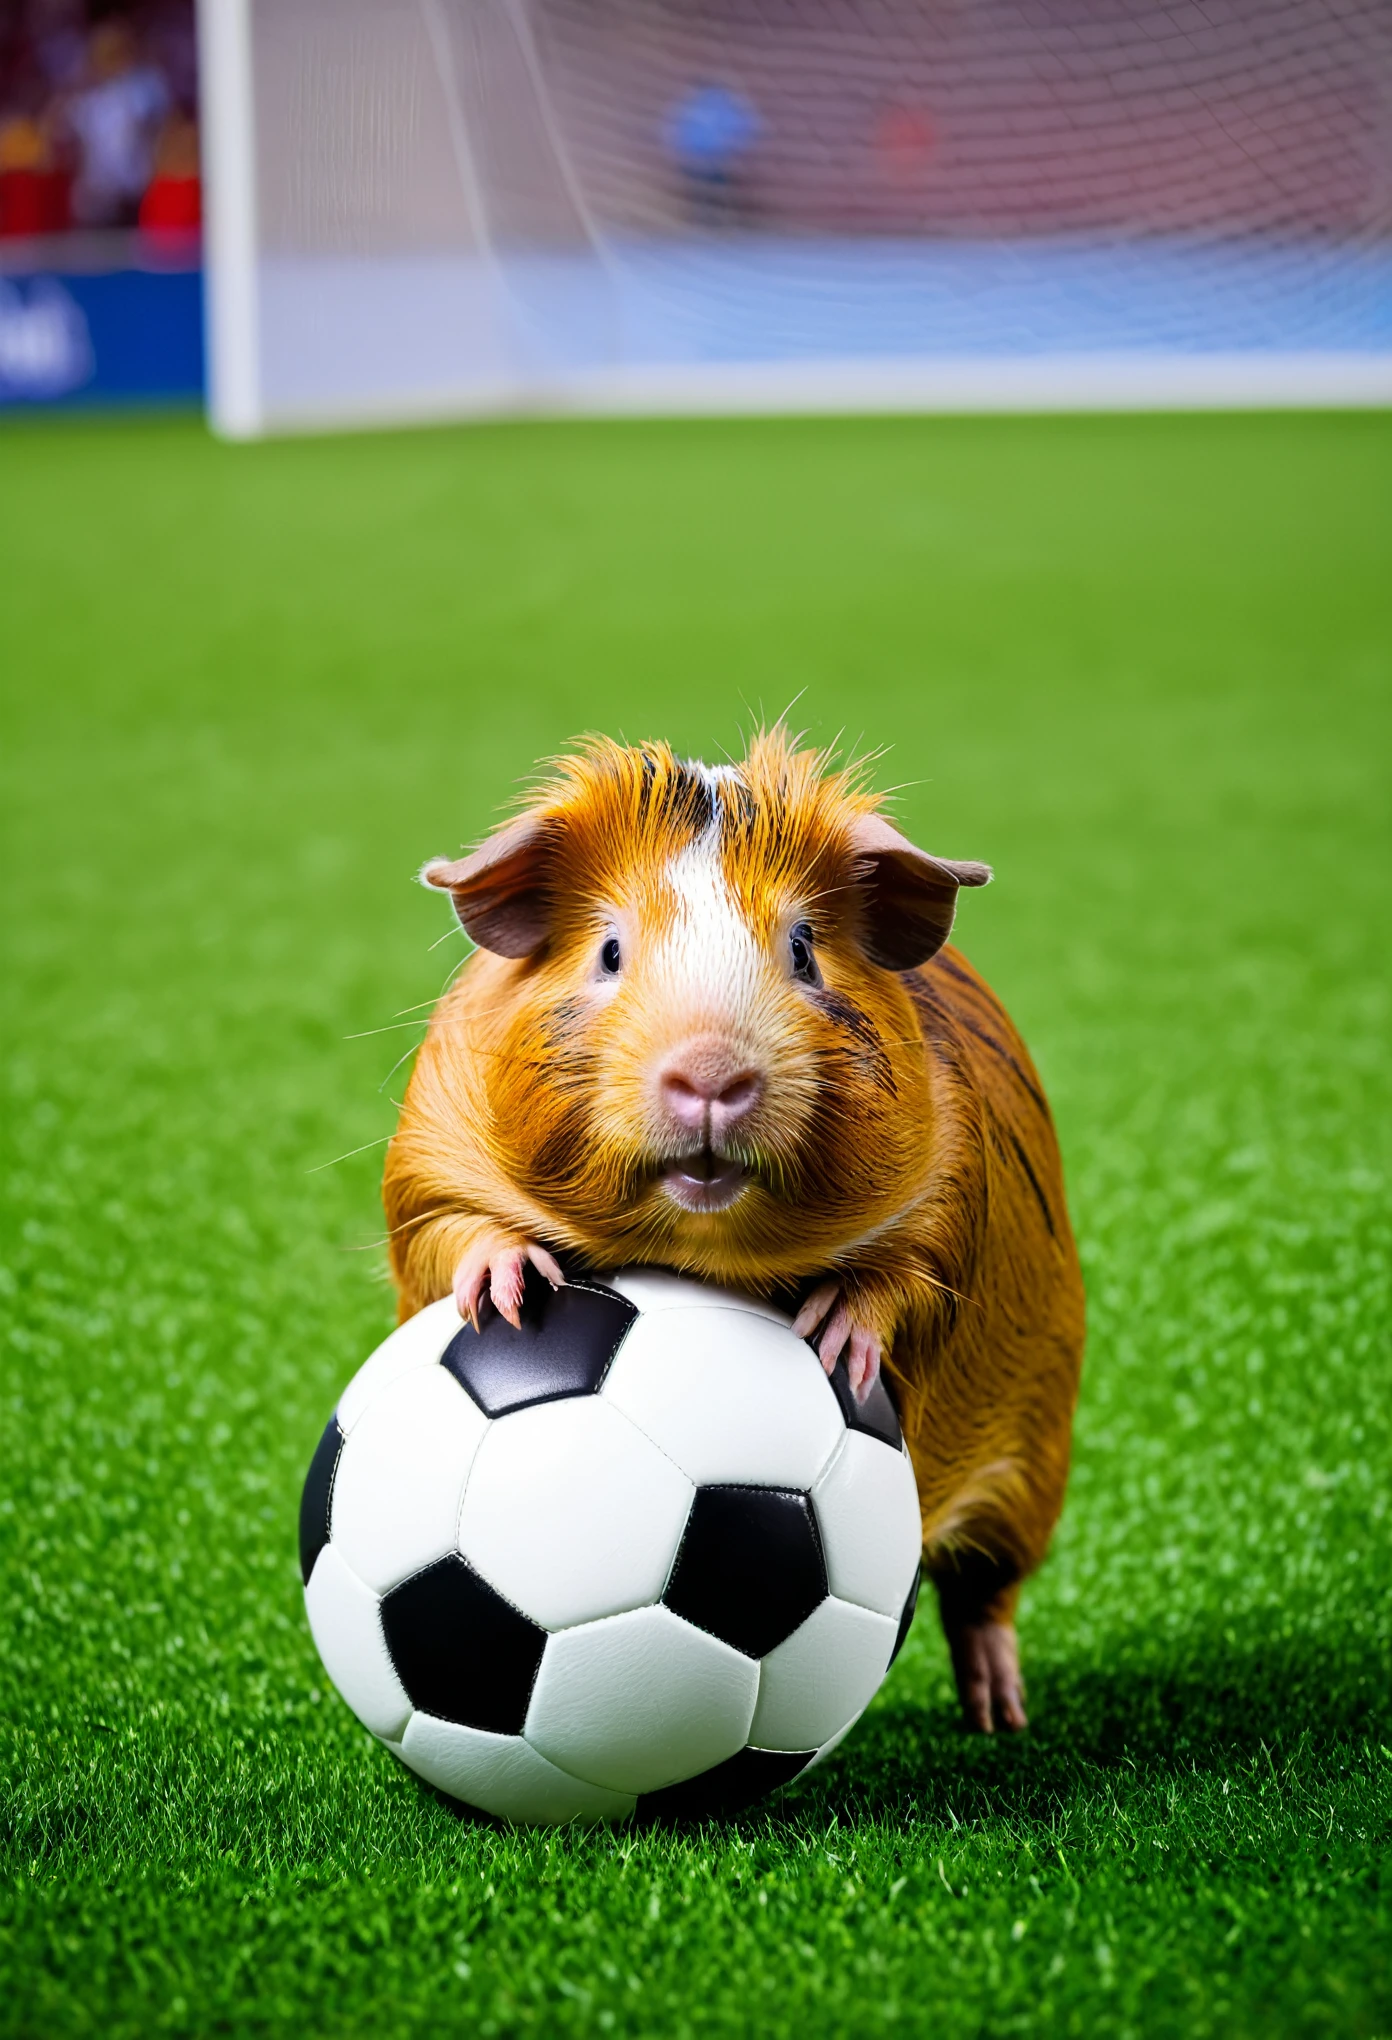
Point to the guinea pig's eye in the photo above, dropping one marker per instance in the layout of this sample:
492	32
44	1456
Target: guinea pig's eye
800	950
610	956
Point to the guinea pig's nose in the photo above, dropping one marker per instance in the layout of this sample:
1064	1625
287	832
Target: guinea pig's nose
705	1094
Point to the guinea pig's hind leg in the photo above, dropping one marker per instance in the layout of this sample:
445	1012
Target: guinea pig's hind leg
986	1661
977	1599
496	1264
829	1306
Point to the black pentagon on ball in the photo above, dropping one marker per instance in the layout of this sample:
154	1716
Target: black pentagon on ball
750	1568
726	1788
317	1497
906	1617
565	1346
461	1651
876	1415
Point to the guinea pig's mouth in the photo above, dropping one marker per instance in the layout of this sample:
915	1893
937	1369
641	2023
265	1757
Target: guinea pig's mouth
705	1181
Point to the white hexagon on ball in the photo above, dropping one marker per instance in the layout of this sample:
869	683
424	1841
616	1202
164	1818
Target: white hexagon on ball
655	1289
821	1677
640	1701
866	1505
728	1394
401	1474
571	1513
417	1343
345	1620
503	1775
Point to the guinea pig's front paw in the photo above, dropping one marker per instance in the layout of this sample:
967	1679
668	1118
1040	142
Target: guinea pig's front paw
840	1318
496	1265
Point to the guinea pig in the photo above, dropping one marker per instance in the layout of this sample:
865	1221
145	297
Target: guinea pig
712	1023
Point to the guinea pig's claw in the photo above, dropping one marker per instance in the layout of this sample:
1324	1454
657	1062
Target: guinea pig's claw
507	1276
816	1308
500	1271
839	1329
832	1342
470	1281
863	1367
546	1264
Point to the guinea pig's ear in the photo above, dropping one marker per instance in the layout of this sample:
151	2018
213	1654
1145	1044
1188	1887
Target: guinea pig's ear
500	892
908	899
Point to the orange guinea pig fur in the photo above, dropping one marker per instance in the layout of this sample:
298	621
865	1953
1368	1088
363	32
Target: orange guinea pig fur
712	1024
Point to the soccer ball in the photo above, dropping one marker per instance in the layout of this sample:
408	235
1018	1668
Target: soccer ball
641	1556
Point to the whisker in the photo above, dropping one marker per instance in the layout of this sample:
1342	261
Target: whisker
412	1050
418	1218
349	1156
401	1013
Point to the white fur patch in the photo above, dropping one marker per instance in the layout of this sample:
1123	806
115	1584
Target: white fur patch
710	955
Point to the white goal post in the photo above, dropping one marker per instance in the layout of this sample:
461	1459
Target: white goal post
430	209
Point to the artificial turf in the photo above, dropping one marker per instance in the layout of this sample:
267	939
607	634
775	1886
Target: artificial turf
1143	666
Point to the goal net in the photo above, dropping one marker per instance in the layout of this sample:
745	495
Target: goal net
432	208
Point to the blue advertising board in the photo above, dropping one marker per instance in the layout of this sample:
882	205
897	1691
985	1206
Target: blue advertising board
127	335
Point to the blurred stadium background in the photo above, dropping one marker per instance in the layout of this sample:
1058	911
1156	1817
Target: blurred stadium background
1141	663
433	208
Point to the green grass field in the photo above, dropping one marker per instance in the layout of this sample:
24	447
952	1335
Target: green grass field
1144	667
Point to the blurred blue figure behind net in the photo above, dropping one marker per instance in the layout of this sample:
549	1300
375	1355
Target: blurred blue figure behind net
711	135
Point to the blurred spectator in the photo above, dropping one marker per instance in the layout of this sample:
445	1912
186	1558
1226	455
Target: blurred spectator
710	135
905	144
57	36
33	184
170	212
170	42
116	120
